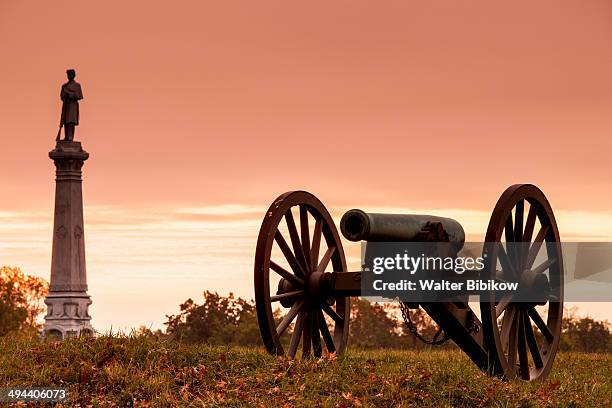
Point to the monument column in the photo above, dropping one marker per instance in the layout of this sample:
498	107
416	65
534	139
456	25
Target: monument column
68	301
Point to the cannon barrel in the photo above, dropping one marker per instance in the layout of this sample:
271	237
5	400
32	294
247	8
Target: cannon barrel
357	225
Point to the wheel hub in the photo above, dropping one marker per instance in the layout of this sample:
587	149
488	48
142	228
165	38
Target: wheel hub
286	286
535	287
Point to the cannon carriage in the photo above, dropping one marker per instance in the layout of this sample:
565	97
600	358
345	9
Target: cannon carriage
300	269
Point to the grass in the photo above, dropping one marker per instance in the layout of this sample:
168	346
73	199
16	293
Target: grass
145	372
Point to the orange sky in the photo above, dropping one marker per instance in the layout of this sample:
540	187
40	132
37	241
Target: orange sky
391	104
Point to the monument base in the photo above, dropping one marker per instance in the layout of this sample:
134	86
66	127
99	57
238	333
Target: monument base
67	315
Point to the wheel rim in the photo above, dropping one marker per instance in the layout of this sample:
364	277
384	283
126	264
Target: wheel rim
315	242
520	341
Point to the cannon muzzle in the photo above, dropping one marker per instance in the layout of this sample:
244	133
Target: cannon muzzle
357	225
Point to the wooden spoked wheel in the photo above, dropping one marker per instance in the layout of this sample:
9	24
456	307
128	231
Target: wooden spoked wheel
522	243
292	309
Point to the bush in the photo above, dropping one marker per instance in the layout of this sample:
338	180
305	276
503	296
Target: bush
219	320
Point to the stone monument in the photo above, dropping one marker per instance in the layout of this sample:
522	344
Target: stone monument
68	301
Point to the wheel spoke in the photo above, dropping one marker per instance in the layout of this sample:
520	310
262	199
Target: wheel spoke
286	274
316	242
509	230
298	251
289	295
295	266
502	305
518	221
306	334
537	319
531	218
509	234
511	244
316	338
327	338
518	233
297	334
532	343
326	258
506	264
507	323
545	265
289	318
522	349
535	247
332	313
512	342
499	276
305	235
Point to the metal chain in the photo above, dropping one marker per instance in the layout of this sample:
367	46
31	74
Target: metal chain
435	341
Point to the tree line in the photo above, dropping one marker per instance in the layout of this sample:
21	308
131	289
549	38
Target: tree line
231	320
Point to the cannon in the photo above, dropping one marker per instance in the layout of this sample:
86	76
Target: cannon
303	287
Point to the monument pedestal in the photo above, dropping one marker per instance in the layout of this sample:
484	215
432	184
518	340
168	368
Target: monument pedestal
68	301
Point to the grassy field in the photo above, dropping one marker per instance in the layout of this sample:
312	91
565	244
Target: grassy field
146	372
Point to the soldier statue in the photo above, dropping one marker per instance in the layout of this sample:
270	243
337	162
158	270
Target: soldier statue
70	95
